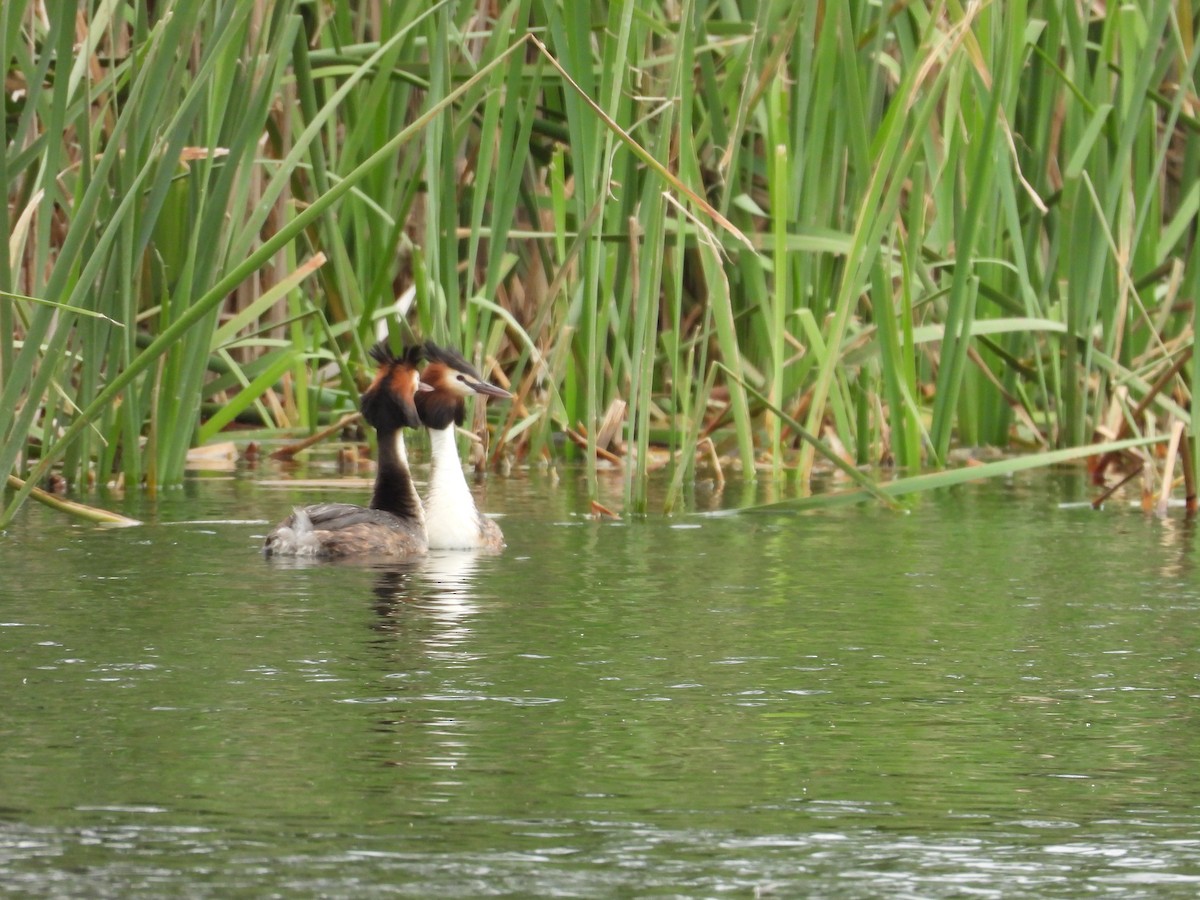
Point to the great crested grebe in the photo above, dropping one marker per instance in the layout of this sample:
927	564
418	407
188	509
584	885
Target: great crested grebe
452	521
394	524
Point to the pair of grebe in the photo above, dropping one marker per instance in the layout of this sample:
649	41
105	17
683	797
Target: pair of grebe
397	523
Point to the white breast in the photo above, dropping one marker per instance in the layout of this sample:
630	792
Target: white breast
451	519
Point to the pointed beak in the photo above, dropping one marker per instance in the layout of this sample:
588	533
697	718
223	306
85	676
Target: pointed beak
490	390
422	387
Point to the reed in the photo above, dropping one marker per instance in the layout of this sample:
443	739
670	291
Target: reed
795	229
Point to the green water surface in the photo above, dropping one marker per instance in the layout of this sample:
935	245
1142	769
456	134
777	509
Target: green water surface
994	695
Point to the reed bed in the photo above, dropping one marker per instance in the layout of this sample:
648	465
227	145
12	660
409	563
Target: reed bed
749	237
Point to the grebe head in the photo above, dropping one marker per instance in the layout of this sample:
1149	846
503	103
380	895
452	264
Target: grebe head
446	381
388	404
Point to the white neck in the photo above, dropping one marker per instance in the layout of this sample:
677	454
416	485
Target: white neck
451	519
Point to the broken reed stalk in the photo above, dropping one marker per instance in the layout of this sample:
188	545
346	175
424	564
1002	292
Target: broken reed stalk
291	450
72	508
1189	476
1108	492
1156	388
1164	494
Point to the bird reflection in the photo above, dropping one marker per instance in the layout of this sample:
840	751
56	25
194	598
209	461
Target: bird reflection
441	585
423	638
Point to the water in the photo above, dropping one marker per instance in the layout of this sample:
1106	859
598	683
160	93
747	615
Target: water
994	695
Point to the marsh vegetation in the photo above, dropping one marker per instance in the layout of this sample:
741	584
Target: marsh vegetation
758	236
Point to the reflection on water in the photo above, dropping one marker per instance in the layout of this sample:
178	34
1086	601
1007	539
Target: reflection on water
1177	537
441	585
992	695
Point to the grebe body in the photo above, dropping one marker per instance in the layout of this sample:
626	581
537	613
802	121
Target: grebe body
452	521
394	524
335	530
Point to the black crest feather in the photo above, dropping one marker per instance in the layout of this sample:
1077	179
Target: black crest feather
451	358
382	353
